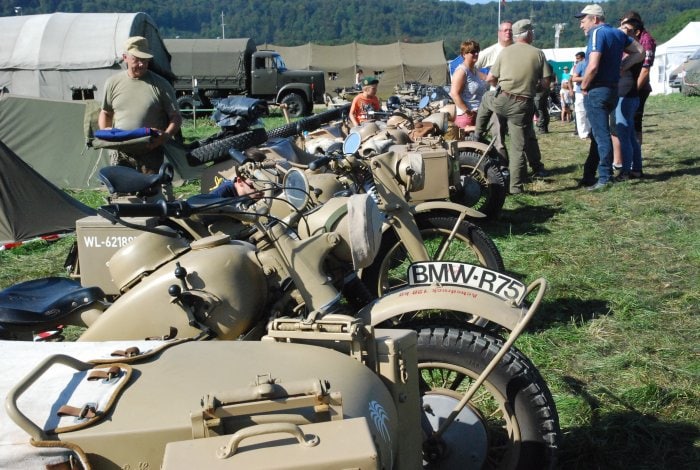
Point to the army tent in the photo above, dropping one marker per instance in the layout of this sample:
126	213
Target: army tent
68	56
50	135
394	63
671	54
54	67
30	206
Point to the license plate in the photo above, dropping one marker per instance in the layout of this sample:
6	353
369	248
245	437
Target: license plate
452	273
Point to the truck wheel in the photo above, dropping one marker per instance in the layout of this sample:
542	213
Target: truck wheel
296	107
186	105
483	189
218	150
510	422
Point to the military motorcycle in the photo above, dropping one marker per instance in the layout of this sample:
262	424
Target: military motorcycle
479	178
289	281
393	175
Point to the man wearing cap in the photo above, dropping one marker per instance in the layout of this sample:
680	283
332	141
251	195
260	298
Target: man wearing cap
138	98
517	72
365	101
599	85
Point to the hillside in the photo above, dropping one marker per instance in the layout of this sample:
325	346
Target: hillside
331	22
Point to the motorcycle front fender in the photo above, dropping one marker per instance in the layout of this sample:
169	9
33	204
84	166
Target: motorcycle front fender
447	297
449	207
472	146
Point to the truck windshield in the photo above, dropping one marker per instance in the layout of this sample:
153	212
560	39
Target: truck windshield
279	63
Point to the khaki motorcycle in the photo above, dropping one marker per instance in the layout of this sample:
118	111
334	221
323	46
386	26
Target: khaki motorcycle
215	287
440	397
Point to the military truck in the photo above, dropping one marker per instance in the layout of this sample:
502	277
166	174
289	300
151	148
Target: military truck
209	69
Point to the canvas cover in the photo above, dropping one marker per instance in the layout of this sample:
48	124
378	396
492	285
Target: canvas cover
30	206
671	54
51	136
394	63
215	57
52	55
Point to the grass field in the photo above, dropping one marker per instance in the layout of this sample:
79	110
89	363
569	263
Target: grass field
617	338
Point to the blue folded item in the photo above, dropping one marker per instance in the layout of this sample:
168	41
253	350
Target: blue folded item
120	135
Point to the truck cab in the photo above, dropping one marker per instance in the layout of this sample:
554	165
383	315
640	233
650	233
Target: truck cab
297	89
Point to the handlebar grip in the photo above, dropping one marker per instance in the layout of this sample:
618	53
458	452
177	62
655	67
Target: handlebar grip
155	209
319	162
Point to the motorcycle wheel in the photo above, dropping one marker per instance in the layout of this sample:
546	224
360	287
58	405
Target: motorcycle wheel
484	189
470	245
510	422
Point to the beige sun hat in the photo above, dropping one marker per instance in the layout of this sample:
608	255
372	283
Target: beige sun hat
138	47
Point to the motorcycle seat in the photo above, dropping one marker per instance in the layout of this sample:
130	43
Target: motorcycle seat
37	302
125	180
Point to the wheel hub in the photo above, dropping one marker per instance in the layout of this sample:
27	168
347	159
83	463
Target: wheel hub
465	442
471	190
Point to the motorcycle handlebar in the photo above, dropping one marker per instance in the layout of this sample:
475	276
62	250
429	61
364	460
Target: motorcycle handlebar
154	209
320	162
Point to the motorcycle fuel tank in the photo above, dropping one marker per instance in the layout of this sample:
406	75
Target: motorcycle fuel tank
223	282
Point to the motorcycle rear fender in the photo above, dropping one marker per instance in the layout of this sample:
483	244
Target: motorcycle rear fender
436	297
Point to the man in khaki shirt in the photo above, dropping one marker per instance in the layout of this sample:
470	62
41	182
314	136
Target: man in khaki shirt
516	73
138	98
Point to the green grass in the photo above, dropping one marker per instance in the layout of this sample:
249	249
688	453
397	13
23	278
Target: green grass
617	337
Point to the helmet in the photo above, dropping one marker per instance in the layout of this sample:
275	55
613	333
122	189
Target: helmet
393	102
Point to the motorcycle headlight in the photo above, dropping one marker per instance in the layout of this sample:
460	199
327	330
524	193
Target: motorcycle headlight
411	171
296	188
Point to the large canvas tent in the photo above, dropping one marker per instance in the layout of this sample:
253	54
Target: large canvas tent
30	206
50	135
671	54
394	63
68	56
50	65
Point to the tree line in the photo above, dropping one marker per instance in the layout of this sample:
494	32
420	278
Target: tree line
332	22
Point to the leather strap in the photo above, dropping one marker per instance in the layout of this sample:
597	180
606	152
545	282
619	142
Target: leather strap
104	374
86	412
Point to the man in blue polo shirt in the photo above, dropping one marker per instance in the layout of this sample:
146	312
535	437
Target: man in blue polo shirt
604	62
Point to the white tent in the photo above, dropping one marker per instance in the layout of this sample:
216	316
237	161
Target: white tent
671	54
68	56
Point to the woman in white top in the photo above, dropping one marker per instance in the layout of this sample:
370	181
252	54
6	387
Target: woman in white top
467	87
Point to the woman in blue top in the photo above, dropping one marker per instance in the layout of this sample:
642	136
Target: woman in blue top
467	87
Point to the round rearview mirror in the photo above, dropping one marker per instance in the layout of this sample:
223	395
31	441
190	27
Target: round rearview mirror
352	143
296	188
423	102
